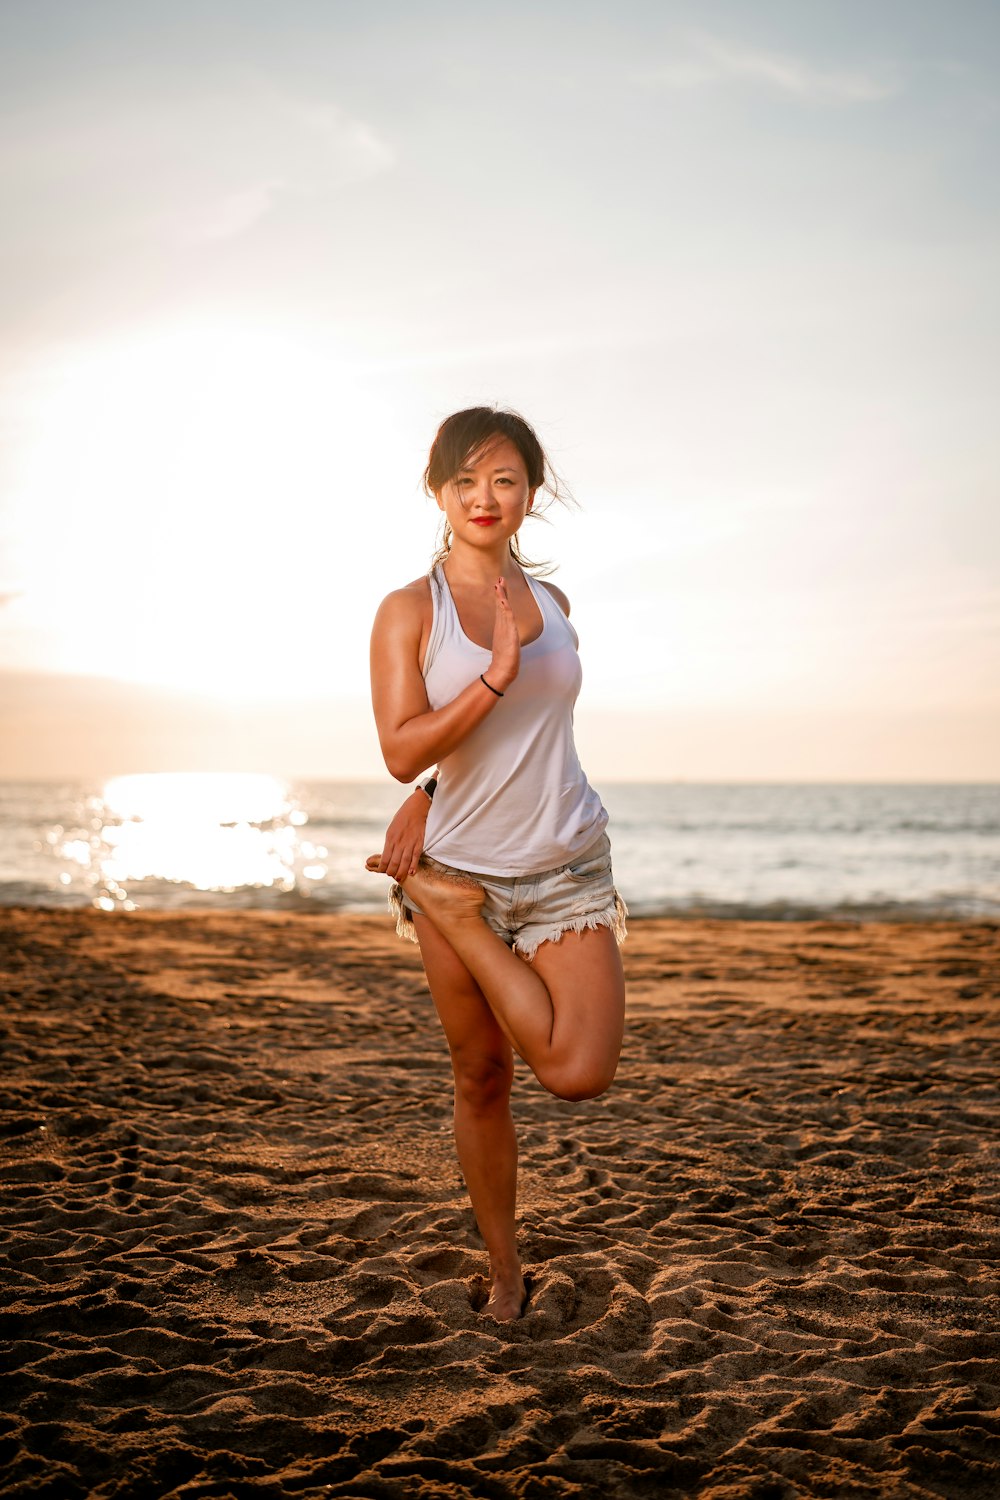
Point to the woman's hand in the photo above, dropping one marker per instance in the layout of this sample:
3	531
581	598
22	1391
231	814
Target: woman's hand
506	661
404	837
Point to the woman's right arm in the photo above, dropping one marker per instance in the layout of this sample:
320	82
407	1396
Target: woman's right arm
404	837
412	735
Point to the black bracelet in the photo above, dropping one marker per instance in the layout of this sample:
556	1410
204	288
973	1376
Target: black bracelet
482	679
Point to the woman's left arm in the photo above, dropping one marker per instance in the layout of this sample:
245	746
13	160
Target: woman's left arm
404	837
557	595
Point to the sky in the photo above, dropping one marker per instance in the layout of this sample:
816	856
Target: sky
736	263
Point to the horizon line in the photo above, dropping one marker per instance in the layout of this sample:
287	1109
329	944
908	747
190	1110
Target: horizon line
371	781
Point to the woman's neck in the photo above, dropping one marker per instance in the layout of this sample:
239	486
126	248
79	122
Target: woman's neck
479	567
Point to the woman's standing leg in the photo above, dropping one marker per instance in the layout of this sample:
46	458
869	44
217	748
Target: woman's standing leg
482	1063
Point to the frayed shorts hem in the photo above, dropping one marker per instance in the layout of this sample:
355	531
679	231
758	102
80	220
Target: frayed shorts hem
558	903
614	917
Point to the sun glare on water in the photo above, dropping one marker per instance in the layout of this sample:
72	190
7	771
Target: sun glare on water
210	831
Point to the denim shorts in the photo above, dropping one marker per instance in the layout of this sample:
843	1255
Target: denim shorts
528	910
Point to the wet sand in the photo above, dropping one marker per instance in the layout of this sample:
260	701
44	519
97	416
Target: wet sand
239	1259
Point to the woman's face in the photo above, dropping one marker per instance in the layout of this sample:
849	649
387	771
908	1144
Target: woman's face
487	500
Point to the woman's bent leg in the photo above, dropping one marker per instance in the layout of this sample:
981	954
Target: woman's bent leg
484	1129
582	972
563	1012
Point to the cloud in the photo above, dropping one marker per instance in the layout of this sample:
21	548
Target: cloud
187	170
261	152
360	148
704	60
231	215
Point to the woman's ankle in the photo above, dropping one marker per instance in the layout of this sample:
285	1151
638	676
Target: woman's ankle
506	1271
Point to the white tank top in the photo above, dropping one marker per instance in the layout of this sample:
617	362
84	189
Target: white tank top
512	799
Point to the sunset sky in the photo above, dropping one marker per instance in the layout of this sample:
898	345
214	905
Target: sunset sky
737	263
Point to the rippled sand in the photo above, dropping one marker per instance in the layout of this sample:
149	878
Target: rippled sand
239	1259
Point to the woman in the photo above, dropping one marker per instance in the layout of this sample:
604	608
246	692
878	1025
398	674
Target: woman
475	669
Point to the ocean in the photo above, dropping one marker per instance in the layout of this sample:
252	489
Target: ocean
755	850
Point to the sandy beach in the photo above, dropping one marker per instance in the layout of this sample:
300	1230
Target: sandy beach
239	1259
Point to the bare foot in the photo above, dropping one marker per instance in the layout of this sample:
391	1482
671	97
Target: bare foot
438	891
507	1299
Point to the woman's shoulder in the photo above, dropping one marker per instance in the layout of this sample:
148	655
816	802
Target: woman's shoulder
557	594
409	605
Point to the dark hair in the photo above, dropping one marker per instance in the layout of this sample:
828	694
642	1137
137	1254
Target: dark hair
467	436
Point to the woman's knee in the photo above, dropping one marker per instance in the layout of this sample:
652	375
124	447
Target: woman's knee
482	1081
575	1083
